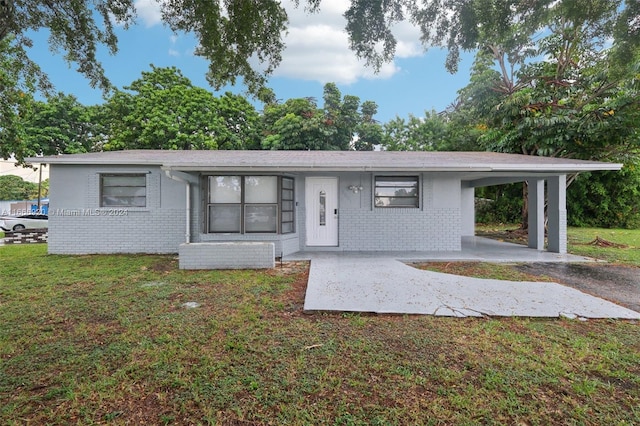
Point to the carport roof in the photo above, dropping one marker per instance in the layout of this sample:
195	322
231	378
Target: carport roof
326	161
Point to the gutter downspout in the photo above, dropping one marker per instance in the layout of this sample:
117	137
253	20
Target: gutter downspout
188	201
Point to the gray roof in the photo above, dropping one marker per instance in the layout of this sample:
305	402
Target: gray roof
387	161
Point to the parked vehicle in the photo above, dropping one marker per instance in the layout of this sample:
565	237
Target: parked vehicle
27	221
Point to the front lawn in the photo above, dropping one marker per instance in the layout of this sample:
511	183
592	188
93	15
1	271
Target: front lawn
109	340
612	245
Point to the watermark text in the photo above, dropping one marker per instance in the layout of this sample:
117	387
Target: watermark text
88	212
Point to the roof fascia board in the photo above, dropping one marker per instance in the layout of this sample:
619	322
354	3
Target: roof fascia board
227	169
558	168
561	168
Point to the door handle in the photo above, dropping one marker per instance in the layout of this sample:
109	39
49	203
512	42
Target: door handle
335	211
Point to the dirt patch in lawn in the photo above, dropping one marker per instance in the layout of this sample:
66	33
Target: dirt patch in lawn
293	299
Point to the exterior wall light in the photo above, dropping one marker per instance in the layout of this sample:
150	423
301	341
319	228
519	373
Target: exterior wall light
355	188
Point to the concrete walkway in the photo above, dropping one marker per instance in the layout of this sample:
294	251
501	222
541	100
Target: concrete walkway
379	282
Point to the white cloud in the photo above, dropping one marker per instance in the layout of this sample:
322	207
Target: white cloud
408	38
149	11
173	39
317	46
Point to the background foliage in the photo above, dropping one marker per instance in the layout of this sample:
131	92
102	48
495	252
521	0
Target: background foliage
15	188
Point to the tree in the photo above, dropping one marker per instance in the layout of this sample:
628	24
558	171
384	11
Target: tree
468	116
61	125
230	33
415	134
563	94
606	199
234	34
341	114
15	188
369	131
243	38
17	87
163	110
239	124
576	103
468	25
299	124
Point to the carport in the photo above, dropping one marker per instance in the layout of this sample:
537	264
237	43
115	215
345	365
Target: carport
557	211
546	179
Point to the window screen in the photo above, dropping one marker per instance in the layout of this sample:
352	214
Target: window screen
396	191
123	190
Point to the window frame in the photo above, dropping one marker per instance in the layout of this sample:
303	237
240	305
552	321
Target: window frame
281	200
102	204
390	178
244	206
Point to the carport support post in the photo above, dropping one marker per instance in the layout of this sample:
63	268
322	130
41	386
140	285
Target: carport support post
557	192
468	210
536	213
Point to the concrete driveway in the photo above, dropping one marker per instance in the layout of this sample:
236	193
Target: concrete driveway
378	282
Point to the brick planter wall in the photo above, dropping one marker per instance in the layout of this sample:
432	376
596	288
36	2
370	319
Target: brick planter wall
26	236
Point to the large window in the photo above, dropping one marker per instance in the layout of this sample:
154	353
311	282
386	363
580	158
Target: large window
250	204
396	191
123	190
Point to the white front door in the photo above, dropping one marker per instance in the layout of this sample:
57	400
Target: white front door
321	206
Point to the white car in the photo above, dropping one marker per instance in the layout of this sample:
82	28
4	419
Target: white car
27	221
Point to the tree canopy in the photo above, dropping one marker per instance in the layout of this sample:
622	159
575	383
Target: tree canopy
299	124
230	33
563	92
164	110
426	133
244	38
473	24
60	125
15	188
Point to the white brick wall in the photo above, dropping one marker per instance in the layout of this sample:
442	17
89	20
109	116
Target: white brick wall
160	226
231	255
400	229
436	226
150	231
562	231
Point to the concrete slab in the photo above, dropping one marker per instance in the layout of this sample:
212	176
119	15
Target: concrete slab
473	249
375	282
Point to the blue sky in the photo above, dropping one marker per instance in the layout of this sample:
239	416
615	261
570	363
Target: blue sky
317	52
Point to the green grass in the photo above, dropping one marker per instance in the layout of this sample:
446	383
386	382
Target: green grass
579	240
107	340
495	271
